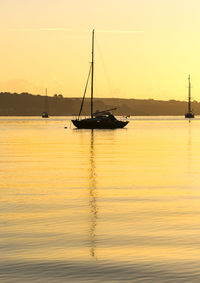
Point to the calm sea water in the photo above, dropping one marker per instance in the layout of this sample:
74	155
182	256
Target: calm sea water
102	205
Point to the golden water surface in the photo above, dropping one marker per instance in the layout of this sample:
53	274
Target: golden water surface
99	205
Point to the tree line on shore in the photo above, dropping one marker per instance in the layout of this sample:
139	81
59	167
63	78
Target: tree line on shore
26	104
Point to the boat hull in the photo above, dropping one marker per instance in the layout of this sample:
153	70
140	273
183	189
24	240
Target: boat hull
189	115
96	124
45	115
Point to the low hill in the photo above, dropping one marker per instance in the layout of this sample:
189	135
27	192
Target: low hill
25	104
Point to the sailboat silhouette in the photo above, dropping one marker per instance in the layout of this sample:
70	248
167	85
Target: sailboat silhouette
45	113
99	119
189	114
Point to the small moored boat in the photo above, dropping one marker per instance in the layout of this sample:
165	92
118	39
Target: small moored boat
190	113
45	113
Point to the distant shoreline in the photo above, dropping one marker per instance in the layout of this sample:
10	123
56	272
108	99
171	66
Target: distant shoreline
25	104
178	115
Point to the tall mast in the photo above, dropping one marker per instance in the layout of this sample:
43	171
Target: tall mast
189	94
46	105
92	74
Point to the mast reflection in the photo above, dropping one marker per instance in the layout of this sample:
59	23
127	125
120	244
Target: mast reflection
92	198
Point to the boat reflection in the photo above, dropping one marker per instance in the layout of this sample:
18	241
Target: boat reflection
92	198
189	148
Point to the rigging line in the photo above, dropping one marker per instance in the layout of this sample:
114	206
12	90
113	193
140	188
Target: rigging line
104	66
84	92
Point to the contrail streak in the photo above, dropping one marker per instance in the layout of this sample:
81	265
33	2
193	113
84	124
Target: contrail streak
70	29
57	29
121	31
37	29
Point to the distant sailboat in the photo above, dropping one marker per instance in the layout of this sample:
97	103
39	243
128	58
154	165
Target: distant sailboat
45	113
189	114
99	119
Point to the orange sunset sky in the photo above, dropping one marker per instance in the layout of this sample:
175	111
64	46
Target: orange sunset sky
143	48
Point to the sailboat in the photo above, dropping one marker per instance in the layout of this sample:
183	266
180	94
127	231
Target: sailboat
99	119
189	114
45	113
